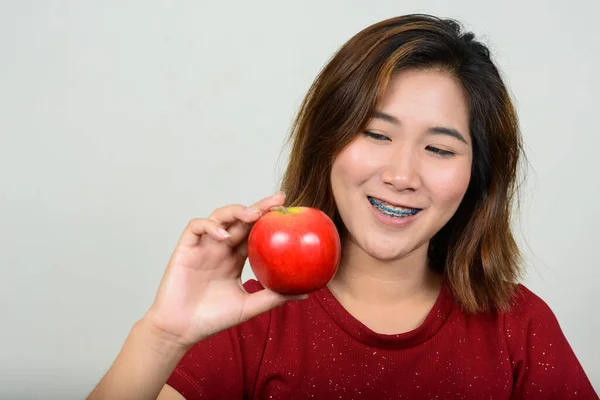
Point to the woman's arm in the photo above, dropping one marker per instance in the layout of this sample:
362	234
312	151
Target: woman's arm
142	367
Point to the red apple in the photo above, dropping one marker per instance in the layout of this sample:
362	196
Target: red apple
294	250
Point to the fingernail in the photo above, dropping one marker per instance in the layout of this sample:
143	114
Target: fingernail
222	233
251	210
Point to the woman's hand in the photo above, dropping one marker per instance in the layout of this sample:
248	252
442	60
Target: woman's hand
201	292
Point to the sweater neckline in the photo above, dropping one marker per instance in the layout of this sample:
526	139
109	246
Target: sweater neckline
360	332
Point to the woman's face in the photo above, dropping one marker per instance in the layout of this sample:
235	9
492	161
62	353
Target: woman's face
401	179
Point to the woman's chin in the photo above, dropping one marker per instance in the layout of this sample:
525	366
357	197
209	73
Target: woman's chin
382	248
382	251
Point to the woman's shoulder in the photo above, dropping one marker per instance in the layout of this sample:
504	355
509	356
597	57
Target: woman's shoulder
531	320
527	305
540	354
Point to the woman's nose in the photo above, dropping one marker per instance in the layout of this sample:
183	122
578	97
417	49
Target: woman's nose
401	171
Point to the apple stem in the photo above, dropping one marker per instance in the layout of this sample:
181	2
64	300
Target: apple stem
282	209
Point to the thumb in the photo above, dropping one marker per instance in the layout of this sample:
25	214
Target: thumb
265	300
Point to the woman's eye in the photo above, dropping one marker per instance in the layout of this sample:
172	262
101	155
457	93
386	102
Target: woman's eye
440	152
376	136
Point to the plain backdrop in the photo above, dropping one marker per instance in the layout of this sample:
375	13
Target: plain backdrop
122	120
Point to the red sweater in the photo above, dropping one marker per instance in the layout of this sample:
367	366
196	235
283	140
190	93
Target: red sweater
315	349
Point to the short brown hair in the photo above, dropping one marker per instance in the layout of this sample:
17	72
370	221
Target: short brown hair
475	250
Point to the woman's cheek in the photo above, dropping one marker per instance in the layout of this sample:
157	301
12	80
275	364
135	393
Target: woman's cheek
450	183
363	159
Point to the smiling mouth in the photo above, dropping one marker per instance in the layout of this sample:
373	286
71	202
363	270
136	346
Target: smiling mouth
392	211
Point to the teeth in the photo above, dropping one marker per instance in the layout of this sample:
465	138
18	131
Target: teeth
393	211
395	208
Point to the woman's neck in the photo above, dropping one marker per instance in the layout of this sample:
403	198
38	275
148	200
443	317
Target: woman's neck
367	280
389	297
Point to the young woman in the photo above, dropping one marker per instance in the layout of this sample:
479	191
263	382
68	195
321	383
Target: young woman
409	141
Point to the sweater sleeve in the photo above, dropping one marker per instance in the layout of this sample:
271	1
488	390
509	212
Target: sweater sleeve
224	366
544	364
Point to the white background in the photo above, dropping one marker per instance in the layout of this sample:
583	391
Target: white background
120	121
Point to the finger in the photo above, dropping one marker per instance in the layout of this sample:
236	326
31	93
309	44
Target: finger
198	227
233	213
232	216
239	231
265	204
215	225
265	300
